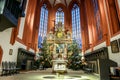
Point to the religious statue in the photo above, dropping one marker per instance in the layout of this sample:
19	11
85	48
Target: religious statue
59	57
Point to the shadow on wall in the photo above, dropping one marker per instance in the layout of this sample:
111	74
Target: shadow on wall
1	53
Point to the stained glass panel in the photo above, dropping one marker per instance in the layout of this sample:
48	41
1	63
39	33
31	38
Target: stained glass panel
43	25
76	30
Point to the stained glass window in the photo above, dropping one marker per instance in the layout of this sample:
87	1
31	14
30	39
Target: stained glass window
97	19
60	16
43	25
76	30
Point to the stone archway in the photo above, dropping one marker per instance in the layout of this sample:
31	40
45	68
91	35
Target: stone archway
1	53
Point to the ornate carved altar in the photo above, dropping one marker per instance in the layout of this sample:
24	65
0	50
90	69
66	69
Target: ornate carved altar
58	41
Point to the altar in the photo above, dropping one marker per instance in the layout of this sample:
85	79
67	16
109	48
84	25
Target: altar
58	41
59	66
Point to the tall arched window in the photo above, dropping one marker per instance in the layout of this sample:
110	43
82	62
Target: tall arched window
97	19
76	30
43	25
59	16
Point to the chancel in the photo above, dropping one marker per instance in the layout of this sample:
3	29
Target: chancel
59	39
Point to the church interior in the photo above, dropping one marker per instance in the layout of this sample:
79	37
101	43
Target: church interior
59	39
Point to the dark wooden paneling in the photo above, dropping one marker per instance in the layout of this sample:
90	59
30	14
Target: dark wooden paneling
24	56
100	59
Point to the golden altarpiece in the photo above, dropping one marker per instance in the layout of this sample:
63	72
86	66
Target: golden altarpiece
58	43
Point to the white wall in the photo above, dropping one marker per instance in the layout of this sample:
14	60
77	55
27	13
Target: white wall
97	47
21	29
5	37
114	56
5	43
6	46
87	51
100	46
31	50
22	23
118	3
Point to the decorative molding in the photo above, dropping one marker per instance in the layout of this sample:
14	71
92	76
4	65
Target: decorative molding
20	40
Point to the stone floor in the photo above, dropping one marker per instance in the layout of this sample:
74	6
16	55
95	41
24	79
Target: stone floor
48	75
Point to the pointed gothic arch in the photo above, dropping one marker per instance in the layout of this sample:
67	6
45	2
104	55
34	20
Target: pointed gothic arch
72	3
64	9
49	6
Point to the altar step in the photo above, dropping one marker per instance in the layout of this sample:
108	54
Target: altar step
49	70
75	71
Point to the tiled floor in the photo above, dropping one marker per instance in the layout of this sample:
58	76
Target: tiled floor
48	75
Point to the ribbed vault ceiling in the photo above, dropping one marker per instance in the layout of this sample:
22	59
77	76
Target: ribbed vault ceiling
65	2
